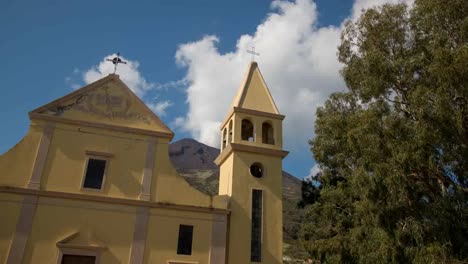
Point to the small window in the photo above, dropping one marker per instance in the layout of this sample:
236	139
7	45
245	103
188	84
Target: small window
184	246
95	172
256	226
230	132
77	259
247	132
256	170
267	134
224	139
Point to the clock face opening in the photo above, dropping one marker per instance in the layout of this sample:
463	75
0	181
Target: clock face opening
256	170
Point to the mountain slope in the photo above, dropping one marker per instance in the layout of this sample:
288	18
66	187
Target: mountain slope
195	161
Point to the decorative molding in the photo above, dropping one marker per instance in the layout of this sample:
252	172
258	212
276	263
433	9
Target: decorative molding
112	200
95	85
251	149
94	245
181	262
75	93
102	125
23	229
139	236
218	239
85	251
41	156
148	170
100	154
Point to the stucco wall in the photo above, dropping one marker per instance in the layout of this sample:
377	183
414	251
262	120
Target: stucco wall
10	205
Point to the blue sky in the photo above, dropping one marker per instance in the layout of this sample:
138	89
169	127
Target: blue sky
48	47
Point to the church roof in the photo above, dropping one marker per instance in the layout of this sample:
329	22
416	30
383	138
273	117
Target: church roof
108	103
254	93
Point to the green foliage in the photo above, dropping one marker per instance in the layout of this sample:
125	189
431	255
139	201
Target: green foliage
394	149
310	193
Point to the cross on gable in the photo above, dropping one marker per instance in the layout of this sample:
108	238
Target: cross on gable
116	60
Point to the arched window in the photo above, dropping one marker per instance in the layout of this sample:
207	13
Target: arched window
247	132
224	138
267	134
230	132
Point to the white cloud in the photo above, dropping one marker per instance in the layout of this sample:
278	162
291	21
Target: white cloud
298	60
160	108
128	73
359	5
172	84
178	123
314	171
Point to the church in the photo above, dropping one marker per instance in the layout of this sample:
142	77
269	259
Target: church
91	182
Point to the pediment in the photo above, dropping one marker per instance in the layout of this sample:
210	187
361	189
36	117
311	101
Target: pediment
107	101
79	240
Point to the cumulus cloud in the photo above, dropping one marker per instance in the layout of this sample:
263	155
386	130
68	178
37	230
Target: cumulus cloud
128	73
314	171
160	108
298	61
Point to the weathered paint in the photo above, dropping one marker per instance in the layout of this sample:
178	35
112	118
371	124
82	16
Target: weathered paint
143	200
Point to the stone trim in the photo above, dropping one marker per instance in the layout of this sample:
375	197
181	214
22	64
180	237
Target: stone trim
139	236
181	262
100	154
102	125
251	149
89	251
41	156
218	239
148	170
107	158
112	200
23	229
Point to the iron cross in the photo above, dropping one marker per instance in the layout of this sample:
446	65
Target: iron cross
253	53
116	60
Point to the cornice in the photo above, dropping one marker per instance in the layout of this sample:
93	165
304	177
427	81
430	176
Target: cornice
101	125
111	200
250	112
250	149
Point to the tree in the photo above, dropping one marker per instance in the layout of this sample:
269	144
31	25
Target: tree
394	148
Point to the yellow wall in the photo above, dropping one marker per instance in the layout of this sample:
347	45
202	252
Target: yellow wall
55	219
66	160
163	231
109	225
10	205
24	153
240	219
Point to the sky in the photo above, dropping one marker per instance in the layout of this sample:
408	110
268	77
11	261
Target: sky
186	59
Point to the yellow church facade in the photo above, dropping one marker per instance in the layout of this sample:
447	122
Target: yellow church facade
92	182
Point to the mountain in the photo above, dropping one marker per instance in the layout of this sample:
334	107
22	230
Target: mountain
195	161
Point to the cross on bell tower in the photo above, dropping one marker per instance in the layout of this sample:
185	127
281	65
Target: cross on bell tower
252	51
116	60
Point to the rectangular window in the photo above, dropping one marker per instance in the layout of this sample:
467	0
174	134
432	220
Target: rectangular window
184	246
77	259
256	235
95	171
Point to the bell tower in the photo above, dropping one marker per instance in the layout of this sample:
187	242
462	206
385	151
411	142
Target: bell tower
251	173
